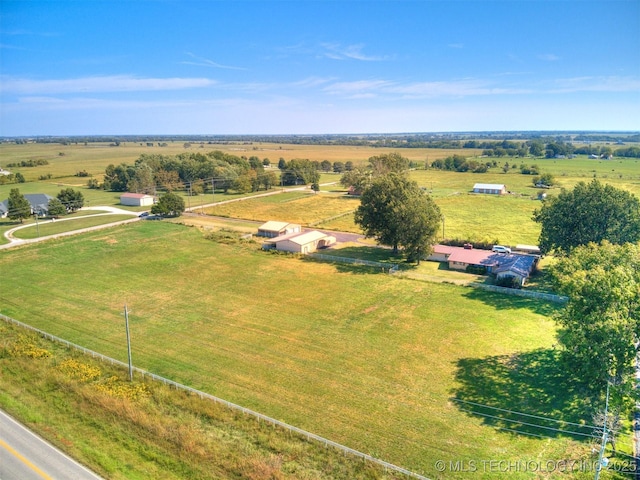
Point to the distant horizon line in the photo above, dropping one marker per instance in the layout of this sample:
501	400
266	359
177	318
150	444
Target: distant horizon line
362	134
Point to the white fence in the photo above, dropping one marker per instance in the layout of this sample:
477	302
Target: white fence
310	436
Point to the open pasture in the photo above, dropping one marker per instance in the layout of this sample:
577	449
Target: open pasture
65	161
293	207
367	360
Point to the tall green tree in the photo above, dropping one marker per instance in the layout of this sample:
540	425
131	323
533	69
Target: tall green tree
600	325
388	163
170	205
419	223
72	199
590	212
396	212
18	206
56	208
143	179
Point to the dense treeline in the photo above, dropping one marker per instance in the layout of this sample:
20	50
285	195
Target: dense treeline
482	140
33	162
202	172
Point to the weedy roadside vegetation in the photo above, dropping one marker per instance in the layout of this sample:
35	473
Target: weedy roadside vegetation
144	429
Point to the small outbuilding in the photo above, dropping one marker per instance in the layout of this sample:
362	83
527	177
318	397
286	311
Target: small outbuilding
306	242
274	229
136	199
490	188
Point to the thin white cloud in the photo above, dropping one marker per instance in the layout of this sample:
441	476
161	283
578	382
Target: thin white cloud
357	88
596	84
111	83
454	88
480	87
205	62
456	45
336	51
311	82
549	57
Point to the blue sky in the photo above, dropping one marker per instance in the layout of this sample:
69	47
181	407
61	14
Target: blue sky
303	67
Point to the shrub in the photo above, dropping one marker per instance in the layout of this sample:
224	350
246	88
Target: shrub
508	281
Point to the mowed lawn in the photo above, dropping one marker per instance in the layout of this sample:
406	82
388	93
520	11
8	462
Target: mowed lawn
362	358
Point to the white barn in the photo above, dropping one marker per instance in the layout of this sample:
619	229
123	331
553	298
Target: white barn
307	242
274	229
490	188
136	199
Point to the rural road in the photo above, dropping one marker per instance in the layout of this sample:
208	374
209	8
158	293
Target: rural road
26	456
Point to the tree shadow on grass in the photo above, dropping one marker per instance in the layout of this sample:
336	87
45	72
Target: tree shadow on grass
374	254
502	301
382	256
499	389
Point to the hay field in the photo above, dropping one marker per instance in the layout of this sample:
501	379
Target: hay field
368	360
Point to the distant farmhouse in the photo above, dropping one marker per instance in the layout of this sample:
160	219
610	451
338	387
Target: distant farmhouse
501	265
490	188
136	199
39	204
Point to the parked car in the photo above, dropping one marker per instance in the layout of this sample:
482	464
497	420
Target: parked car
144	214
501	249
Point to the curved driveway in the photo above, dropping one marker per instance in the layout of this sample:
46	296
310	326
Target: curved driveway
14	242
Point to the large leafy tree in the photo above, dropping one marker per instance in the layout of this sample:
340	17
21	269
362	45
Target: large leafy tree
18	206
299	172
116	178
56	208
388	163
420	220
396	212
72	199
169	204
379	165
590	212
600	325
143	180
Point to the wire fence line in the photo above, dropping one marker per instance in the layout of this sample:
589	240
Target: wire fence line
259	416
390	267
522	293
328	219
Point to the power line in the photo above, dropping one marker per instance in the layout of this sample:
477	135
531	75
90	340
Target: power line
524	414
509	420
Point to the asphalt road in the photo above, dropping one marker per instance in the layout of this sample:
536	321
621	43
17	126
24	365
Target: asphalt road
25	456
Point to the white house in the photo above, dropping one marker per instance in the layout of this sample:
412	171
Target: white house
136	199
39	204
490	188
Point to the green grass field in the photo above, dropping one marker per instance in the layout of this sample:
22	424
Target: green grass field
365	359
146	430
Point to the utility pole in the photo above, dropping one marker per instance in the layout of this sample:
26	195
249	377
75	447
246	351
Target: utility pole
37	225
126	324
604	435
442	227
